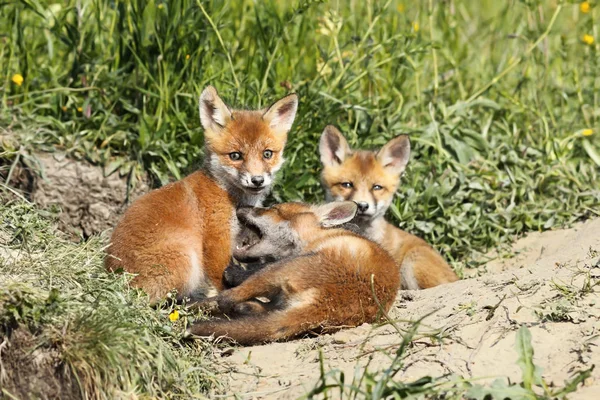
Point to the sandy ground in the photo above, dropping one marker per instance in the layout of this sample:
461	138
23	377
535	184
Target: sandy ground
477	342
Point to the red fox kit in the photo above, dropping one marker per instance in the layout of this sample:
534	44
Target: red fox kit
179	236
371	180
322	282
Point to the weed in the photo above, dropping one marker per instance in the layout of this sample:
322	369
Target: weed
101	338
382	385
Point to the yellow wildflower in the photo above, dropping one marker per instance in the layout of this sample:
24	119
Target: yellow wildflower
174	316
17	79
64	108
588	39
187	56
160	6
584	7
80	109
587	132
400	8
416	26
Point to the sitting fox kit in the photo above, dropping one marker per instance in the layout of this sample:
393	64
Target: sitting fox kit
179	236
371	179
319	277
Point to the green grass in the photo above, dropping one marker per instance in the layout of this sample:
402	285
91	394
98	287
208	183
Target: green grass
58	303
383	384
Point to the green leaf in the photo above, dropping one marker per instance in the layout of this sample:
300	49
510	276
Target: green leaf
148	19
591	151
112	166
499	390
531	373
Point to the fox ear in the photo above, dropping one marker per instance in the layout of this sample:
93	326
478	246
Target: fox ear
336	213
280	115
395	154
333	146
214	113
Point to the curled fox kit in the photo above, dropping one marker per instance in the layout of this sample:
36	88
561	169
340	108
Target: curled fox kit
319	277
371	179
179	236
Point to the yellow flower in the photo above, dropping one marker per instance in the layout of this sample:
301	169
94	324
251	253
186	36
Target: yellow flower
588	39
416	26
174	316
400	8
585	7
160	6
587	132
64	108
17	79
187	56
80	109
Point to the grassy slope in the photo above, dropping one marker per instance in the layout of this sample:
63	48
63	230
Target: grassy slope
83	332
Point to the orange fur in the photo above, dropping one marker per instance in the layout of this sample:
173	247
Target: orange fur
372	178
179	236
325	287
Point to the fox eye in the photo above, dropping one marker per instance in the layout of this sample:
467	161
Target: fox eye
377	187
347	185
268	154
235	156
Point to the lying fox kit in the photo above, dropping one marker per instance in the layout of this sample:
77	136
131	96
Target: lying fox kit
321	281
179	236
371	179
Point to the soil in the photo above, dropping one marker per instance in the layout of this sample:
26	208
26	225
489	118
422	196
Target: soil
30	372
476	342
89	202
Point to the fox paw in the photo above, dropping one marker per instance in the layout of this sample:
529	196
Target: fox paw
249	308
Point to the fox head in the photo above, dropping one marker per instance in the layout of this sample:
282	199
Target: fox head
245	148
270	234
366	177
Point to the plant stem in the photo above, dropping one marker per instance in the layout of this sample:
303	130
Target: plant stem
212	24
518	61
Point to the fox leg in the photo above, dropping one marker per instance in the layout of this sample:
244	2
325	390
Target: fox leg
251	307
163	270
424	268
235	274
261	328
241	299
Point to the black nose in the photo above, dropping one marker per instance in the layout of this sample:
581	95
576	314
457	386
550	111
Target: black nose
362	206
257	180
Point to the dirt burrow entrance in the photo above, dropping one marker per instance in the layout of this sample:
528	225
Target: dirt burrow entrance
90	202
477	318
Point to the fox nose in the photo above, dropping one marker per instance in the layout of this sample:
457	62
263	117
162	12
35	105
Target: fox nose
362	206
257	180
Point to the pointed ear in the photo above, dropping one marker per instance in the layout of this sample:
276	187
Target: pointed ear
333	146
214	113
395	154
336	213
280	116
